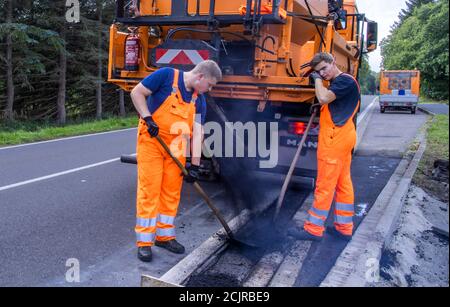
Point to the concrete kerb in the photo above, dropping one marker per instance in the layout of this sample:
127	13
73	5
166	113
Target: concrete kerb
358	264
182	271
362	126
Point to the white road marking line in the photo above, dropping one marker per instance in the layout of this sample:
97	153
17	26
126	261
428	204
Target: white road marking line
361	132
19	184
67	138
366	111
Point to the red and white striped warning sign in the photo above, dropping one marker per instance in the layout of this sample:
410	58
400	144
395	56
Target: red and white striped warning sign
181	56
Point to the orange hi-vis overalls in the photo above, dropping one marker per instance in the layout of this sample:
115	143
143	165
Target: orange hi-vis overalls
334	157
159	178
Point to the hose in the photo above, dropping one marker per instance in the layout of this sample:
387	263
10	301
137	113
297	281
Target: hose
173	31
292	67
317	27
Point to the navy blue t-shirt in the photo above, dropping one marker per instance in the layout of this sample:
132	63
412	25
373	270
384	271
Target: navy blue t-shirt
160	83
348	95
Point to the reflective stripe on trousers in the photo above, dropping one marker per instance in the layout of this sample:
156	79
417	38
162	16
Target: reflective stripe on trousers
165	228
145	237
148	235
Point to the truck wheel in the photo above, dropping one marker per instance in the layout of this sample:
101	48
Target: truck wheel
382	110
413	110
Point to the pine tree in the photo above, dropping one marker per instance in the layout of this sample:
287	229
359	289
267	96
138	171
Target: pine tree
9	113
59	67
21	62
411	5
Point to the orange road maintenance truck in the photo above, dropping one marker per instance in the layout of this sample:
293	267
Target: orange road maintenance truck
263	48
399	89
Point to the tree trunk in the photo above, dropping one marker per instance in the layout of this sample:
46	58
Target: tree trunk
61	100
9	110
122	103
99	64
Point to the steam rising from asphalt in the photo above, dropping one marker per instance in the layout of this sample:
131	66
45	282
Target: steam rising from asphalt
245	185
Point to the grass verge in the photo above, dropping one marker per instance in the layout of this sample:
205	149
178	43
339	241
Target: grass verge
25	132
426	100
437	148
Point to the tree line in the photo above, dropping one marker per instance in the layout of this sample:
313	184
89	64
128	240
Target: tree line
368	79
420	40
55	69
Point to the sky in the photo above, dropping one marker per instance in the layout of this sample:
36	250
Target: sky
385	12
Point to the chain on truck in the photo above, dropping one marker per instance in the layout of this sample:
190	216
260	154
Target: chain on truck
263	48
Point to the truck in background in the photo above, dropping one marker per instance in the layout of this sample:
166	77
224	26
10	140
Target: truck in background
399	89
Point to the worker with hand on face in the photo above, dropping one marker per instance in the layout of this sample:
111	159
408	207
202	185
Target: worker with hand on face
170	103
337	139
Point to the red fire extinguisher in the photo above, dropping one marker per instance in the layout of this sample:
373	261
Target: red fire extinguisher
132	50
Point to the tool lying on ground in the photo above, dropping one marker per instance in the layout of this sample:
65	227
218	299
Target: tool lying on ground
199	189
294	163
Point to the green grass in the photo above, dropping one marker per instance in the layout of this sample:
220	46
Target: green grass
19	132
437	148
424	99
437	141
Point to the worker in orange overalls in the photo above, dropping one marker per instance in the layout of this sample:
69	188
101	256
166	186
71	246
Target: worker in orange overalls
337	139
167	101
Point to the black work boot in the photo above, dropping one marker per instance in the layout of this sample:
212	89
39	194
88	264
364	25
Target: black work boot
145	253
172	246
302	234
335	233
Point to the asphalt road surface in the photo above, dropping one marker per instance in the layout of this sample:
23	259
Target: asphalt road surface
436	108
72	200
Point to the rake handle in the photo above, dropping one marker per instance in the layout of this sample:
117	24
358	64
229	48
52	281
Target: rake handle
292	167
198	188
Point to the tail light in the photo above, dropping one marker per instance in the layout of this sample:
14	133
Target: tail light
299	128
